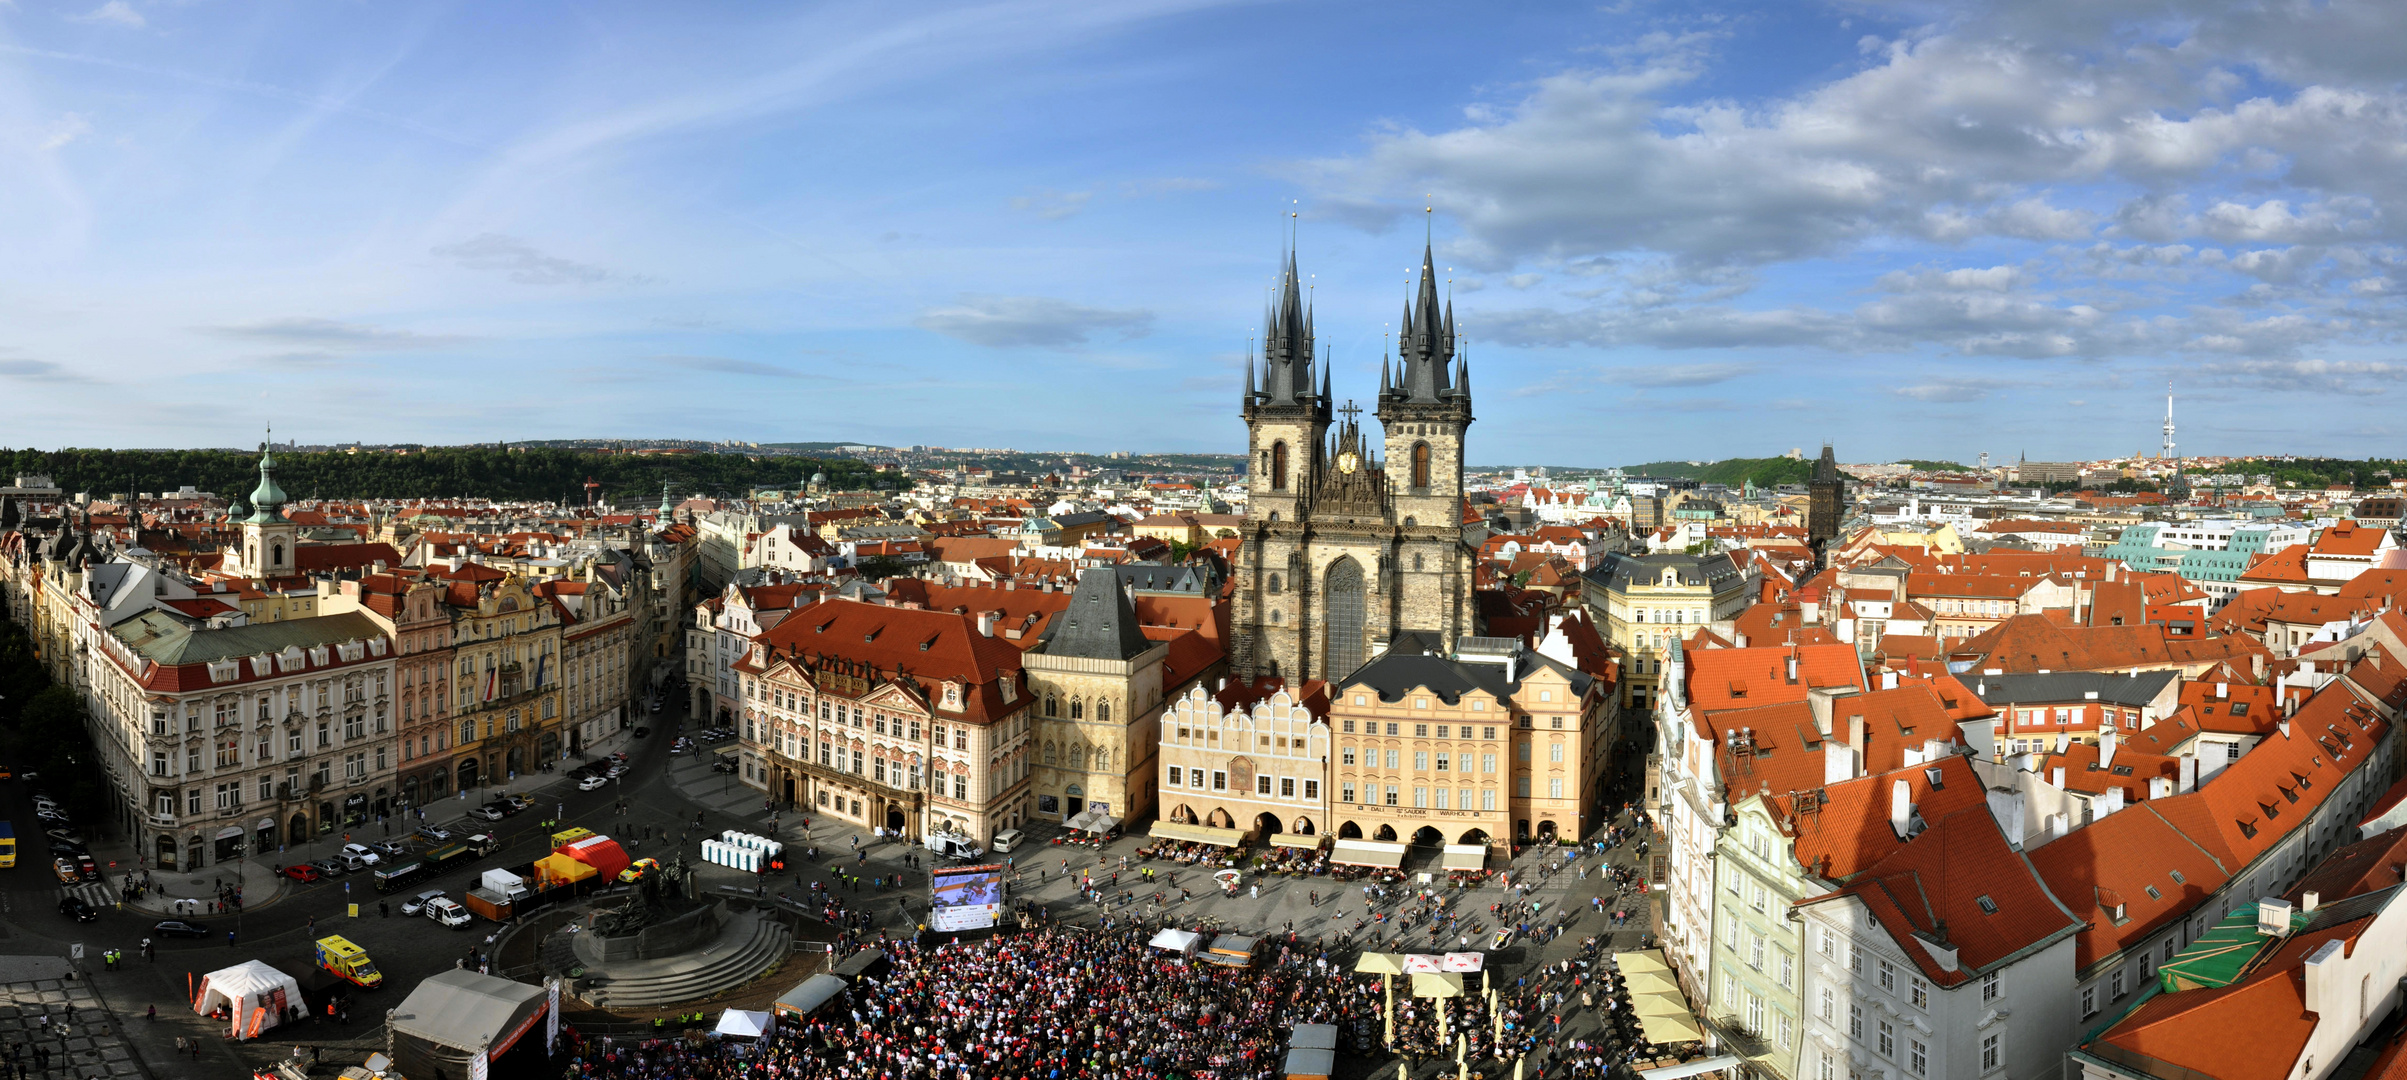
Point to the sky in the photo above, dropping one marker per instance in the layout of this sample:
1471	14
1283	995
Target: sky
1688	230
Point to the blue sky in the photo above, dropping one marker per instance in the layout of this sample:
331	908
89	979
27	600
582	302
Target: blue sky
1689	230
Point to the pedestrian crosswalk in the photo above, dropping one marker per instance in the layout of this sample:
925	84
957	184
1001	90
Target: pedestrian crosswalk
95	893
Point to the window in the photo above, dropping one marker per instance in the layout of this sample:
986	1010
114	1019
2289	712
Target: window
1828	1004
1989	986
1420	465
2089	1002
1921	993
1554	753
1828	938
1278	466
1393	756
1521	787
1420	796
1262	784
1788	970
1487	763
1888	976
1787	1030
1391	794
1487	798
192	801
1989	1052
2118	984
1420	760
1312	789
1442	761
1554	788
1220	780
1346	755
1918	1057
1855	1021
1887	1041
1345	791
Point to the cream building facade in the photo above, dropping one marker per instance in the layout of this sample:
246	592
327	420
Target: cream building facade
1259	766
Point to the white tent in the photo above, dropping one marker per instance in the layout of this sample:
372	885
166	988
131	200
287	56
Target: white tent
1171	939
750	1025
253	994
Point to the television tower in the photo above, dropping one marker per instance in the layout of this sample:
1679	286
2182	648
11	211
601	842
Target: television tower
2167	454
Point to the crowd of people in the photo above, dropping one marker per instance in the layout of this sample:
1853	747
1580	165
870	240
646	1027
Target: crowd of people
1052	1004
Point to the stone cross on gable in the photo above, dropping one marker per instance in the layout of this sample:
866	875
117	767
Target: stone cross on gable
1351	411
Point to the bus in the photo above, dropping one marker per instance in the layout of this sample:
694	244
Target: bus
8	845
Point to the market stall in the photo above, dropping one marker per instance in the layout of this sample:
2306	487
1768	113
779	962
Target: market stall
1198	834
1464	857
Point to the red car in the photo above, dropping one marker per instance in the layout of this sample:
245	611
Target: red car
302	872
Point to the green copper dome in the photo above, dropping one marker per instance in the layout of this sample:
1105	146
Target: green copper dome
267	497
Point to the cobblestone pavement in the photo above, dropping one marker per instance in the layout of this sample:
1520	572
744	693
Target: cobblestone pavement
52	1023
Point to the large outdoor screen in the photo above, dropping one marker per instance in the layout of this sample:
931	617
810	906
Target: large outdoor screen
965	897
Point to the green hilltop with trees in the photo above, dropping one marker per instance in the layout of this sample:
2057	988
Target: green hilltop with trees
1733	472
441	472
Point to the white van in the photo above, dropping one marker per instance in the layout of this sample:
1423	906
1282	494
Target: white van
1007	840
447	911
953	847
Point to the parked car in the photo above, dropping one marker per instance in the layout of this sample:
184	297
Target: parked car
642	732
390	848
66	835
418	903
78	909
722	765
614	771
446	911
62	847
492	811
436	833
85	866
591	782
66	871
302	872
518	801
45	802
56	816
179	928
635	871
365	854
330	867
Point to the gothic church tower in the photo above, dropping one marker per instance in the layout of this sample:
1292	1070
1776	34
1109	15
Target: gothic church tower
1342	552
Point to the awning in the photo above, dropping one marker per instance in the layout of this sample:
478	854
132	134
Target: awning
265	823
745	1023
1310	1061
1367	853
1313	1037
1658	1005
1306	1061
1442	985
1422	964
355	801
1650	982
559	867
1669	1029
1175	940
1295	840
1379	963
1699	1067
1464	857
1200	834
1648	960
1463	961
228	833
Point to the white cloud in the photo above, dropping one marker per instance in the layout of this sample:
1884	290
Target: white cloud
1948	391
1013	321
314	333
521	261
70	127
1053	205
114	13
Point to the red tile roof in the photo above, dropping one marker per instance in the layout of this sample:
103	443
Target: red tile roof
1959	882
1747	678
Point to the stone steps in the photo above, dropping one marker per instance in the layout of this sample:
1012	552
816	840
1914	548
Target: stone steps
752	941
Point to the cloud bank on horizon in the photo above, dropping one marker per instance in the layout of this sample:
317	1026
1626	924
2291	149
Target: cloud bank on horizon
1922	229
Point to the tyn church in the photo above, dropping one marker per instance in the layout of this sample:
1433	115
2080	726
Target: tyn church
1347	546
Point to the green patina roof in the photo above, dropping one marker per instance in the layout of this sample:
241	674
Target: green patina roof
158	637
2221	955
267	497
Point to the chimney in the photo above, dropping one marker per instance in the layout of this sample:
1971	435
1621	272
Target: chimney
2313	900
1855	735
1888	680
2106	748
1838	763
1901	808
2323	976
2273	916
2189	773
1739	638
2056	777
1792	665
986	623
2222	690
2160	787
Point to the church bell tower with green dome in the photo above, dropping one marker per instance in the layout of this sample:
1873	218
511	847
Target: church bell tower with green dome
269	539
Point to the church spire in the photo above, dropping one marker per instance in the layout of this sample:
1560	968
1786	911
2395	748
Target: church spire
267	500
